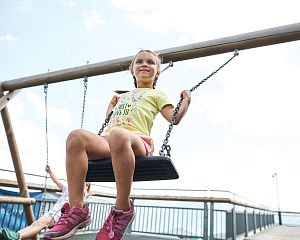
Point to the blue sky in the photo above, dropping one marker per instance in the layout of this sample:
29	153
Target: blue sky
243	125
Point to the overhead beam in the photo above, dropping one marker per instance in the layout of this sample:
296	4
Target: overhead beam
249	40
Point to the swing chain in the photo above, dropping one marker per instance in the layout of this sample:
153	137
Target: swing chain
165	146
85	83
170	64
47	147
105	123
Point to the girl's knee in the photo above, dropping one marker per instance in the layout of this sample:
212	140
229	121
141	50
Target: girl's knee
75	139
118	136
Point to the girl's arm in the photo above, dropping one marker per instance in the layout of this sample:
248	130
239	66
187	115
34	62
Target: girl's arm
54	178
112	104
168	110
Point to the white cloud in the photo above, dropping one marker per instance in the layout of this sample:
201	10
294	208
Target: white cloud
31	142
136	5
209	20
57	116
98	103
258	98
70	3
92	19
8	37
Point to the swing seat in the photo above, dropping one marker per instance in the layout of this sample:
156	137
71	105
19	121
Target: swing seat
146	169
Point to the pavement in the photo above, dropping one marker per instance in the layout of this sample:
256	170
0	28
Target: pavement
278	233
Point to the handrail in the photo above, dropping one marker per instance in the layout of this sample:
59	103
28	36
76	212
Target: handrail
182	198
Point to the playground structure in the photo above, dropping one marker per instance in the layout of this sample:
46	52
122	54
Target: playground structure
9	89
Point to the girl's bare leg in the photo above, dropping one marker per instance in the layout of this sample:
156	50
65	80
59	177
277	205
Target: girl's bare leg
124	146
35	228
80	145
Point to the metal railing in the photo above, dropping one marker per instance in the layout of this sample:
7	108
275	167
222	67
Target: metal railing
208	218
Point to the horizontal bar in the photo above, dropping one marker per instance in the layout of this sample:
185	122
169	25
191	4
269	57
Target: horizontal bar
17	200
249	40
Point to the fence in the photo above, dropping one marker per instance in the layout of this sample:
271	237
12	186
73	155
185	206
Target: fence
188	218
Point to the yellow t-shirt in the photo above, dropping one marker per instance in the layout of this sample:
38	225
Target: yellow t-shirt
137	109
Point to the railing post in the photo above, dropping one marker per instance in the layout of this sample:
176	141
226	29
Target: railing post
259	218
205	225
254	222
279	218
246	222
211	228
233	223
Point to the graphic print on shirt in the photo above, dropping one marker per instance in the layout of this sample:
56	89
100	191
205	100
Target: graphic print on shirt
122	112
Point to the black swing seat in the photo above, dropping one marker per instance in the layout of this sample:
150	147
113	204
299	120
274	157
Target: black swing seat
146	169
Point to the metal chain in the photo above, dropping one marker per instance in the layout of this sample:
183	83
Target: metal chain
47	148
170	64
85	82
165	146
105	123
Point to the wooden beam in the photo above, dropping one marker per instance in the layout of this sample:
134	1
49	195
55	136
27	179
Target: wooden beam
249	40
16	160
7	97
33	186
17	200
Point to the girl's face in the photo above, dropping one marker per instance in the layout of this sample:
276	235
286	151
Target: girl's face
145	69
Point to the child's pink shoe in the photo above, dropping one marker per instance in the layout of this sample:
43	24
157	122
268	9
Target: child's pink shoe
116	224
69	221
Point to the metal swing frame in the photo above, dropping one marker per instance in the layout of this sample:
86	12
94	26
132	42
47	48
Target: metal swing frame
146	168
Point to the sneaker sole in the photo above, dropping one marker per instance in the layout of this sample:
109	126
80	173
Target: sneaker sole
128	226
74	230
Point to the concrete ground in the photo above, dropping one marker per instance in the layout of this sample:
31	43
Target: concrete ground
278	233
92	236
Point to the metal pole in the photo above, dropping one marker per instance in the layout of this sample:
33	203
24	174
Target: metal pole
233	223
211	229
275	176
205	224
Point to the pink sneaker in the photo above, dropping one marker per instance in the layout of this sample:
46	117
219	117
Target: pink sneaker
116	224
68	223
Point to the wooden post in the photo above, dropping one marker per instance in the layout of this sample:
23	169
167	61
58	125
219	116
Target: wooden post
16	161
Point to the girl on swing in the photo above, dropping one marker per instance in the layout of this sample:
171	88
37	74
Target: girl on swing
127	136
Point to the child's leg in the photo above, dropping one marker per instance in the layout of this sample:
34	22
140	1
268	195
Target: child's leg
35	228
124	146
80	145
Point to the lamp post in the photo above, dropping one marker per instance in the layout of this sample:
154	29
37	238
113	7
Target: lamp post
275	176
